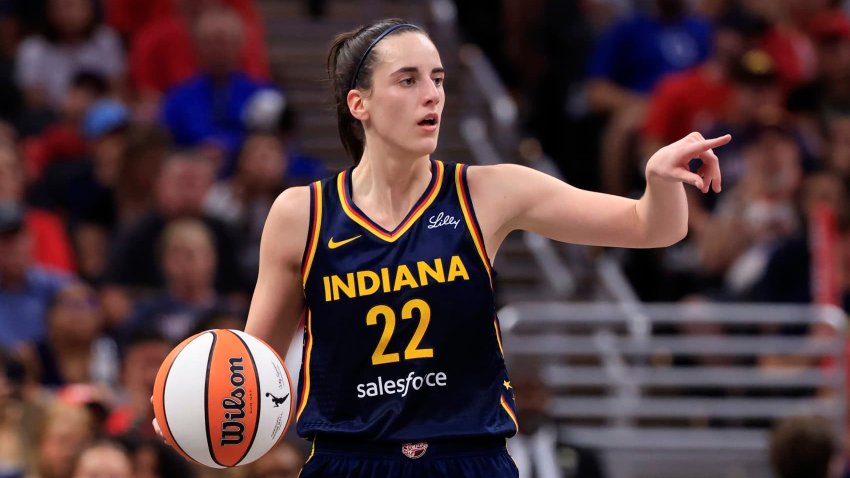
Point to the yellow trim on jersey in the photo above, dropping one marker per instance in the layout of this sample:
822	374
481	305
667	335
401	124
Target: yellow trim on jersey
309	346
498	337
510	412
313	452
403	227
314	234
470	223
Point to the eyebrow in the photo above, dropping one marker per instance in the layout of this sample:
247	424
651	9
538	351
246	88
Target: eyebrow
413	69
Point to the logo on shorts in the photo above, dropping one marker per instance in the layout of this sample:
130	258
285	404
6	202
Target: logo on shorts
414	450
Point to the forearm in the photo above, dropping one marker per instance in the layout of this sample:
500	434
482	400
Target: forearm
662	212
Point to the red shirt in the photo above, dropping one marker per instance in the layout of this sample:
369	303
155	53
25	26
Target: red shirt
51	247
162	54
685	102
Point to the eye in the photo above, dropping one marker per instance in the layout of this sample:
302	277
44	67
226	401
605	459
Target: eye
407	81
439	81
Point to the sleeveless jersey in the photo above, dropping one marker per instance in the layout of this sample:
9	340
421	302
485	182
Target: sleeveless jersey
402	342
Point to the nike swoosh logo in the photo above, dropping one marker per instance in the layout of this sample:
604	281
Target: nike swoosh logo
334	245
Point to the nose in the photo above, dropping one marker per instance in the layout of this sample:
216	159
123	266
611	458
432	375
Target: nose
432	94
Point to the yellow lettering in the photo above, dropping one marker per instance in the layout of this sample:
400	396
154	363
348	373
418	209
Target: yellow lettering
457	269
403	277
385	279
327	288
362	288
425	271
346	287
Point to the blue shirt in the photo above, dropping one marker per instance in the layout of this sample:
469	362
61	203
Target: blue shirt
200	110
638	51
22	311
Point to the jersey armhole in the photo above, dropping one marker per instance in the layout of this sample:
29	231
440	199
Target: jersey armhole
468	210
313	230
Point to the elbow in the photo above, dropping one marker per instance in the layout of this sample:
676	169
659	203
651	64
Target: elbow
676	234
668	237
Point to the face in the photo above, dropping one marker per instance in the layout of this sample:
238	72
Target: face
183	185
218	37
407	88
262	161
76	314
103	462
189	259
70	17
11	176
141	365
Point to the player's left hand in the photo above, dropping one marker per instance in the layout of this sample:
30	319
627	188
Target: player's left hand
671	162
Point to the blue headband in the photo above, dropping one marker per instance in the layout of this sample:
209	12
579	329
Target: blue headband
372	45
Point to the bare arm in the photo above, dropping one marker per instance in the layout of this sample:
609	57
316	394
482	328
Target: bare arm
278	301
510	197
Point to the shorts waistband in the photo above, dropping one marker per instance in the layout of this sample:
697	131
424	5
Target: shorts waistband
412	449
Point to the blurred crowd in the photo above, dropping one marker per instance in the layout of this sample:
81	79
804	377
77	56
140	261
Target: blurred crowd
603	84
142	143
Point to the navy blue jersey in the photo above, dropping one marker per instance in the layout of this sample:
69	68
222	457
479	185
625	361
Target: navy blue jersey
402	340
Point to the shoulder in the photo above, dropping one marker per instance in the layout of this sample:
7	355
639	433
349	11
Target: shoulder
495	174
291	210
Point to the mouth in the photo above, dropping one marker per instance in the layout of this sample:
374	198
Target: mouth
430	120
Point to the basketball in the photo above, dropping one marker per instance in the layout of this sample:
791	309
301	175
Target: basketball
223	398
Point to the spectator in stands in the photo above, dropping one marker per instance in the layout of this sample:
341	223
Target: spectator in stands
245	199
63	140
145	150
673	108
73	40
805	447
152	458
104	459
269	112
207	109
12	422
25	289
183	183
629	60
187	258
84	191
755	216
65	431
538	448
817	103
164	52
74	349
51	247
284	460
143	351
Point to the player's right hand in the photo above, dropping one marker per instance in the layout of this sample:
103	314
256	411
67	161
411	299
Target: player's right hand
156	426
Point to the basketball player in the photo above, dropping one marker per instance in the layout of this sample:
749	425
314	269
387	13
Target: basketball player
403	372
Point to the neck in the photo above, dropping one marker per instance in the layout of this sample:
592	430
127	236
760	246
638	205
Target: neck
389	184
66	347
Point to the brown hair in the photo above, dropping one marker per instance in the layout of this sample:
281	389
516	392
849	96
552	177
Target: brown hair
349	51
802	447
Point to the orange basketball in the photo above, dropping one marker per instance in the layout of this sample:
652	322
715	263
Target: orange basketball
223	398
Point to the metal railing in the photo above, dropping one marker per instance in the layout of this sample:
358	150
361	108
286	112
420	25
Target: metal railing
692	384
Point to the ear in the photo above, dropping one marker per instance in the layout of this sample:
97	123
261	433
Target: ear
357	105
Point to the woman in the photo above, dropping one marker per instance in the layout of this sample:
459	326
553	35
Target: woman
392	261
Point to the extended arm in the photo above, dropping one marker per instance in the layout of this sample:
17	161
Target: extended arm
509	197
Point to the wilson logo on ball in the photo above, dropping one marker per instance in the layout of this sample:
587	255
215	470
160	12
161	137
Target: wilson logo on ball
232	430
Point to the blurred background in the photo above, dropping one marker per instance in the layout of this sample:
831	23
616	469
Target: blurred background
142	143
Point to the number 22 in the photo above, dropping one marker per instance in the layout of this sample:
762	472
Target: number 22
379	356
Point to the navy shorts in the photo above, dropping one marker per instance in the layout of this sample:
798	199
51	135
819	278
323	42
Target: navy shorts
479	458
